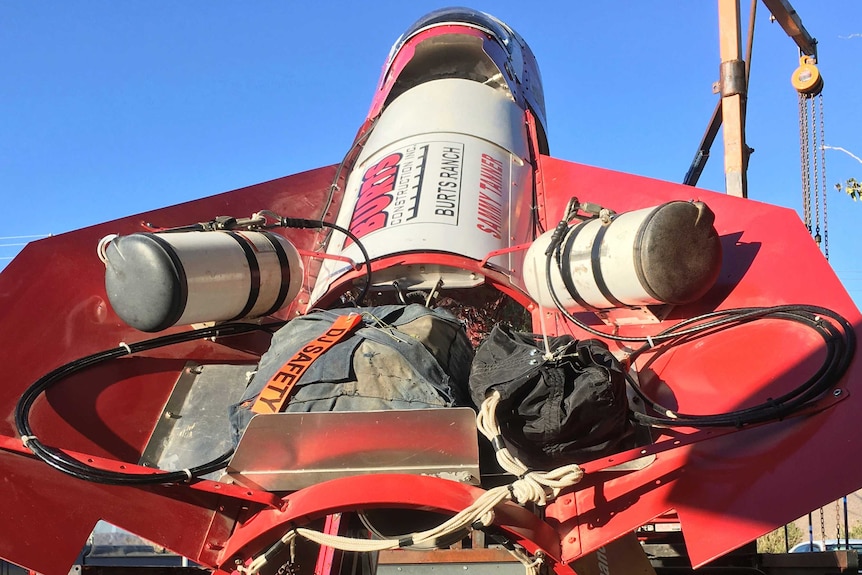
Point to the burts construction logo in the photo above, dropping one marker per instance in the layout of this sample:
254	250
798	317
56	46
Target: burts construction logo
374	196
416	184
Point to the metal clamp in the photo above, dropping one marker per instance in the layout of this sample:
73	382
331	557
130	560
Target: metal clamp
732	78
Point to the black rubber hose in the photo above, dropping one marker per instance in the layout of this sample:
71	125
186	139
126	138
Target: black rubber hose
71	466
302	223
840	345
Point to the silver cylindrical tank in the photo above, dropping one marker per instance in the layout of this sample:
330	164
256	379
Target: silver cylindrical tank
665	254
157	280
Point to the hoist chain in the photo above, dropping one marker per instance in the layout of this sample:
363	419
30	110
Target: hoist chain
289	568
822	527
812	158
816	171
812	153
823	175
837	522
803	160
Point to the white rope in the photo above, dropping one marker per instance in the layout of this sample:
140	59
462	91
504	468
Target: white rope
538	487
531	565
548	355
258	563
480	511
102	247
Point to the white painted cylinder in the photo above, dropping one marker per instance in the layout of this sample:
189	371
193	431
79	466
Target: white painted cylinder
443	172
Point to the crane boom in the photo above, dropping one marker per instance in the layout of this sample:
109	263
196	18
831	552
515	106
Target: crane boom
791	23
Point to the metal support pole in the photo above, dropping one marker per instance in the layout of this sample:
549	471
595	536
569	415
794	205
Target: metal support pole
733	94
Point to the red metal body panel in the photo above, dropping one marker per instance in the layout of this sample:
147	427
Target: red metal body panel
727	485
54	310
406	491
723	487
728	489
393	68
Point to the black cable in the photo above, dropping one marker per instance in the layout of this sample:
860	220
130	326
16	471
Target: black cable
839	352
837	333
71	466
303	223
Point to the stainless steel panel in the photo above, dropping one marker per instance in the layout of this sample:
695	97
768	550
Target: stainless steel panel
289	451
194	428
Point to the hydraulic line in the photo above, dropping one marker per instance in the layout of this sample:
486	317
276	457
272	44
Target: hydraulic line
302	223
71	466
837	333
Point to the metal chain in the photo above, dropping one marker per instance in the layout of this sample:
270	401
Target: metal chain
816	171
822	527
290	567
823	175
804	161
837	522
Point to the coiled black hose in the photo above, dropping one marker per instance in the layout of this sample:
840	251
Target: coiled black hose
71	466
837	333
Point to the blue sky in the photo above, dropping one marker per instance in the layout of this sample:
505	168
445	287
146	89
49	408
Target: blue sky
113	108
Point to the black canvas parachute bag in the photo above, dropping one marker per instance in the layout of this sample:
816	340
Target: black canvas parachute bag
552	412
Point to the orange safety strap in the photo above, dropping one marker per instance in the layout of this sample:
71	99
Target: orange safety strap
278	388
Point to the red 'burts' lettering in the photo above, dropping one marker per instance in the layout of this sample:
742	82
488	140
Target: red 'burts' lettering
378	181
